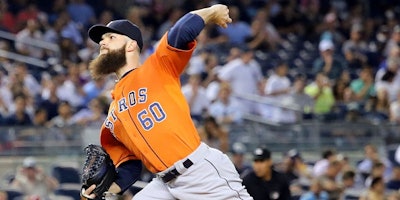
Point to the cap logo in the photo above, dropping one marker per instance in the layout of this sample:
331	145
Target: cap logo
258	151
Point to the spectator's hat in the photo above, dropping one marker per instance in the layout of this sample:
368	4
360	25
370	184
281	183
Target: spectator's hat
29	162
261	153
396	29
356	27
238	148
326	45
122	26
293	153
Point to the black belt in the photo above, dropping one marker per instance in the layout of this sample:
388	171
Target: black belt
173	173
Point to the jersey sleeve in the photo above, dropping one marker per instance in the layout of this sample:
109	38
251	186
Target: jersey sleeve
117	151
171	59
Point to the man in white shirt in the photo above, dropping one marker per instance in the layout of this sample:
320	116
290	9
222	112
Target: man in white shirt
277	89
278	84
224	109
244	75
195	95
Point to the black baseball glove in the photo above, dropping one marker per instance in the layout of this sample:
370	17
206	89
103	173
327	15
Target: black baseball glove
98	169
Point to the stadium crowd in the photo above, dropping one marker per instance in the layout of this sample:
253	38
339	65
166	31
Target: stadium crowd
335	60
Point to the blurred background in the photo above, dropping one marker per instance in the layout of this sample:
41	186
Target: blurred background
294	75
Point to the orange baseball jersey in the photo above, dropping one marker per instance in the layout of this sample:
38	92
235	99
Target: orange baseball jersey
149	118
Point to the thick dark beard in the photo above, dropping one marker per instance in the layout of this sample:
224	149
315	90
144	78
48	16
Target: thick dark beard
107	63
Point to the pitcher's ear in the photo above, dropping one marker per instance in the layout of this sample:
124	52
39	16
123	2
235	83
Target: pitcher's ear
132	45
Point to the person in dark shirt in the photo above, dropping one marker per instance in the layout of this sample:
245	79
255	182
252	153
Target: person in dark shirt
394	181
265	183
20	117
238	152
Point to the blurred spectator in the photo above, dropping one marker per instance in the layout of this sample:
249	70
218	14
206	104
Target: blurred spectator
244	76
348	179
393	41
328	63
24	39
197	63
93	116
195	95
7	19
213	134
89	51
33	181
23	75
210	80
106	16
394	182
144	18
68	50
71	89
19	117
264	182
234	53
173	15
371	156
329	182
340	90
5	95
311	20
278	84
363	88
378	170
81	13
40	117
327	156
30	11
49	98
238	152
316	192
238	30
294	167
287	19
321	91
355	49
93	89
264	36
53	33
57	7
394	53
64	116
331	26
388	82
225	108
70	29
394	114
299	98
376	190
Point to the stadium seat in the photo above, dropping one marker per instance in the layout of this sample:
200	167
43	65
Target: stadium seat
66	174
73	193
13	194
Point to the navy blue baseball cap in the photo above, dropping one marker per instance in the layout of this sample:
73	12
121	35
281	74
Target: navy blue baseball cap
122	26
261	153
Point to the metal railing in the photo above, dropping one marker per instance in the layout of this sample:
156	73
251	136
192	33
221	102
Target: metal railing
48	46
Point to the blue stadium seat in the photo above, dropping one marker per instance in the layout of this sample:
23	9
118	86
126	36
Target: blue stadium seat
73	193
66	174
351	197
13	194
